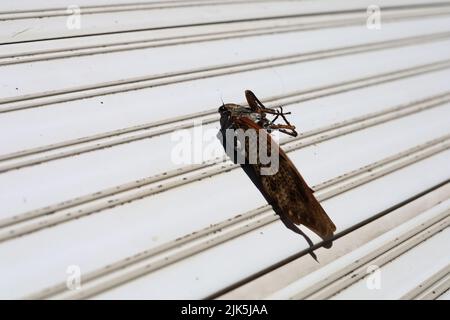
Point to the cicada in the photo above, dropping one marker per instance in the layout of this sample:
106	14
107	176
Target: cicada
284	189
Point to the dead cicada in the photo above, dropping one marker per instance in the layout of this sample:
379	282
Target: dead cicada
283	188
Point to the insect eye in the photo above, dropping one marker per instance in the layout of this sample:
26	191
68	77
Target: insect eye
222	109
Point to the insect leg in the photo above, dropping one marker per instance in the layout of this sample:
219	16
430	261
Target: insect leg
274	111
292	133
282	127
253	101
274	119
282	115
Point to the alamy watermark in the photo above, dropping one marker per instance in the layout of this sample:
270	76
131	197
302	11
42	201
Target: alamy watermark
73	21
249	146
373	21
373	280
73	280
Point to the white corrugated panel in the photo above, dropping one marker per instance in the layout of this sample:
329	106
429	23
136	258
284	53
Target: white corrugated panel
87	174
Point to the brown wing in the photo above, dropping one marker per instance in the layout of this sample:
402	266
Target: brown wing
287	192
296	199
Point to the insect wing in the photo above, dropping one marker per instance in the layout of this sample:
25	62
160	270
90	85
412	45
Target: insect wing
286	190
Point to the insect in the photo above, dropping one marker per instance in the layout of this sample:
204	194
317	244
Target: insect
285	190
